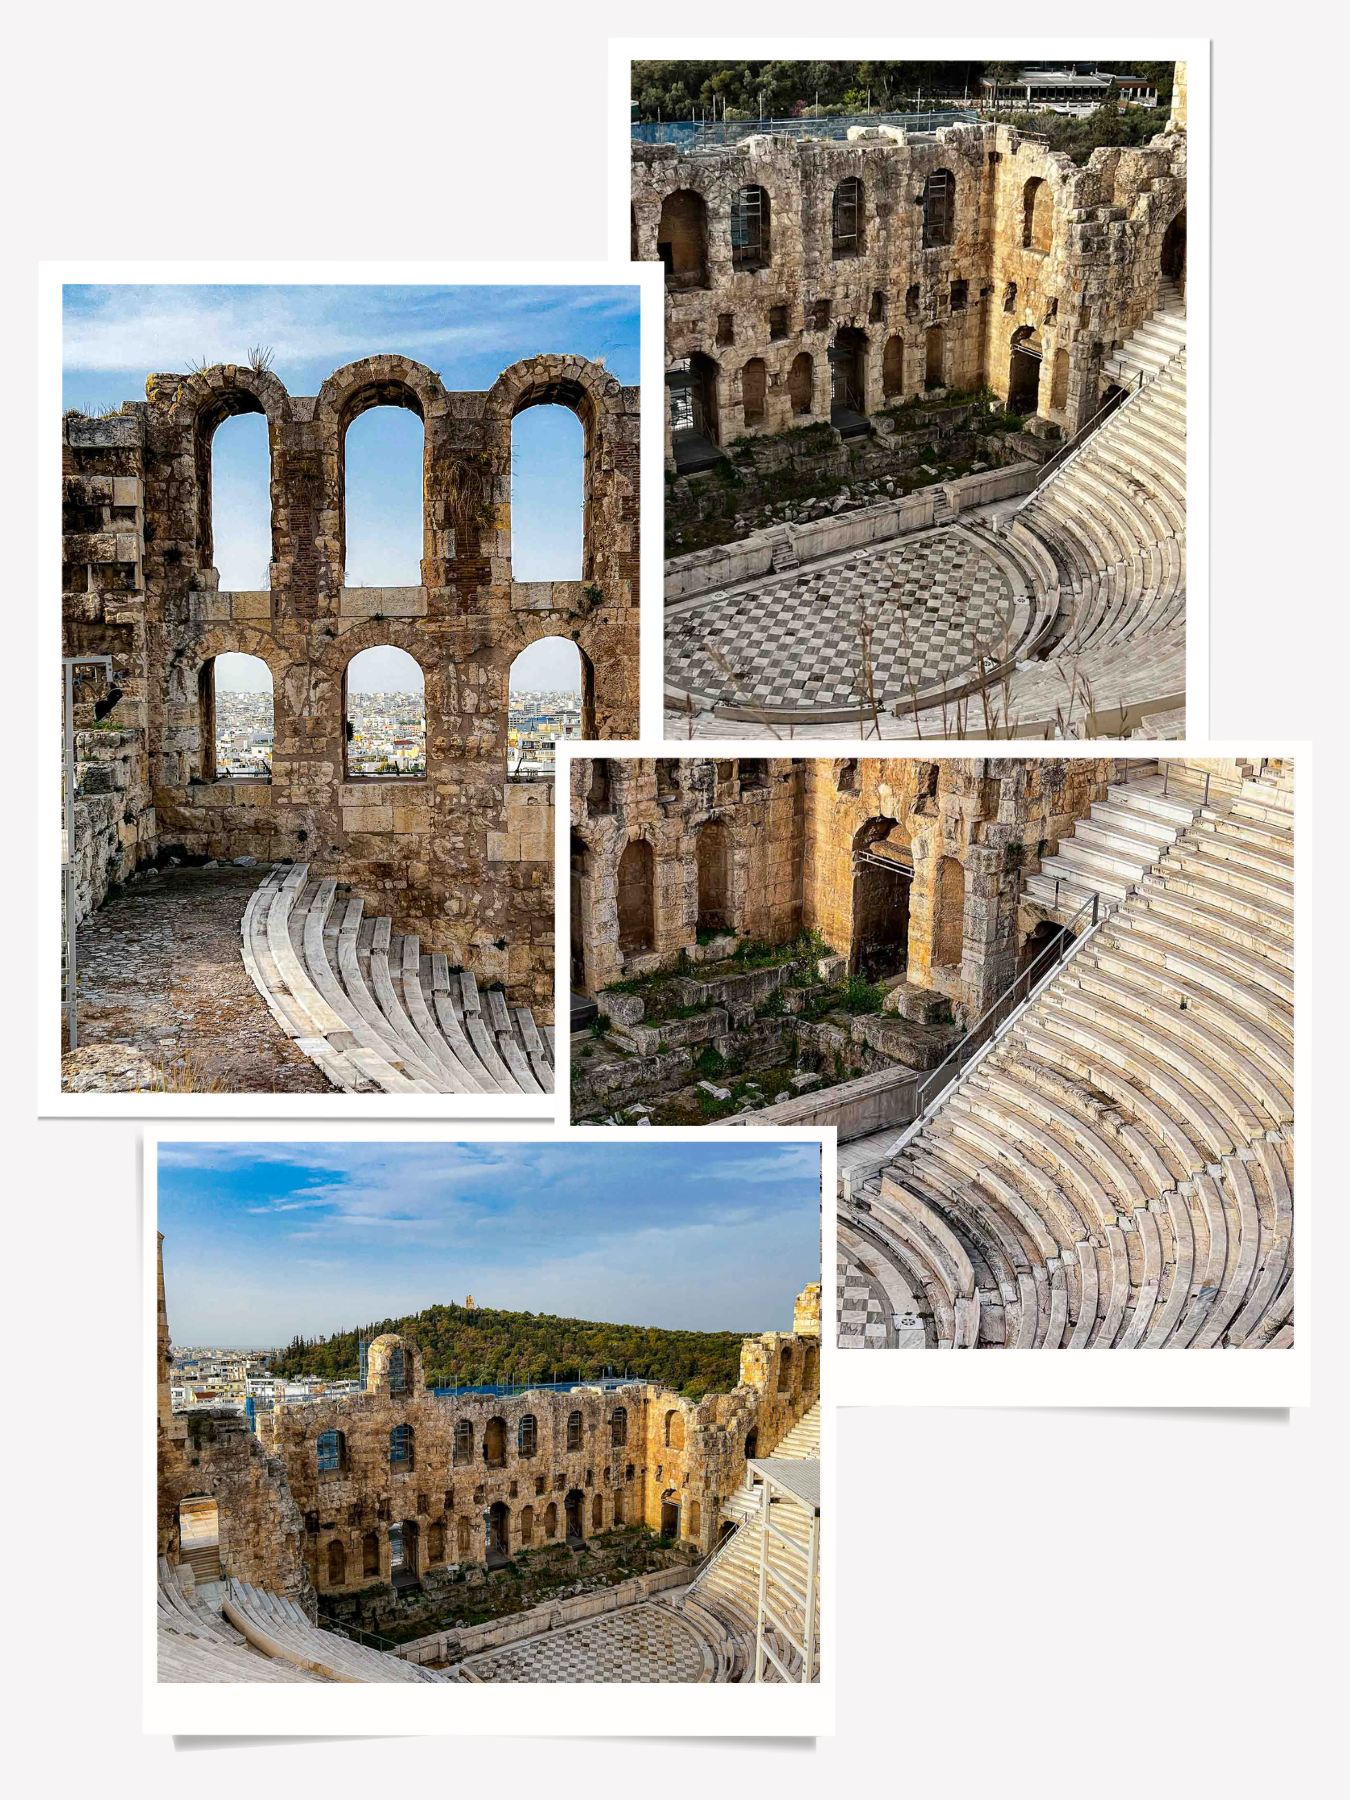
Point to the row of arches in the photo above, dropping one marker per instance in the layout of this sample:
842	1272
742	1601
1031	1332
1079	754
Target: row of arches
345	1561
384	498
682	237
384	711
331	1446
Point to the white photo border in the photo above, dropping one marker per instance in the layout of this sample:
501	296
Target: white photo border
707	1709
1068	1378
53	277
1194	52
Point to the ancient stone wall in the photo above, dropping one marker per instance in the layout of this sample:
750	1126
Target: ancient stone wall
1035	251
961	833
451	855
475	1481
213	1455
669	804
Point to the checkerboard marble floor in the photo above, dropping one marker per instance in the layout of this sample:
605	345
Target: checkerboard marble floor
793	641
864	1319
640	1643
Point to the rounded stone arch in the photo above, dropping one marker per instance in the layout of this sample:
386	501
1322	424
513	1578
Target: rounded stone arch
940	198
202	402
526	631
636	896
378	634
674	1429
346	394
189	681
383	1356
682	233
1024	369
586	389
1038	213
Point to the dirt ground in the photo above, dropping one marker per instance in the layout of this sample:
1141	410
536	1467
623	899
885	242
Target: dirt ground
160	973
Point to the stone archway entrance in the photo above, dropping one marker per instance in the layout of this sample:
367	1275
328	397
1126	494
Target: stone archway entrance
848	380
1024	371
1174	250
403	1554
199	1536
883	872
575	1509
691	387
498	1521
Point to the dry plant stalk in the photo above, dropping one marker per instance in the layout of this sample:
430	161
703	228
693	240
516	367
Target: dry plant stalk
733	680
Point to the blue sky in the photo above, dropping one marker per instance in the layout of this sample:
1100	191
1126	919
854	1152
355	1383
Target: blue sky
116	336
262	1240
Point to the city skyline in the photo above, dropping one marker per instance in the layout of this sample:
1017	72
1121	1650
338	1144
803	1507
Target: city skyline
267	1239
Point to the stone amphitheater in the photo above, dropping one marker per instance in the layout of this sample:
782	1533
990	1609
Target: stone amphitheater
1043	597
283	1551
451	868
1110	1163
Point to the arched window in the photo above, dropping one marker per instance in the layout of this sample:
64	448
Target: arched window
551	1520
714	877
436	1542
637	897
883	870
551	690
846	219
494	1444
574	1431
939	209
600	793
234	718
811	1370
401	1448
337	1564
682	239
754	386
785	1370
674	1431
598	1513
383	453
332	1452
370	1553
949	913
463	1441
802	383
239	496
618	1427
527	1435
751	1443
846	776
695	1519
463	1539
384	712
750	229
398	1372
526	1526
893	368
548	494
1172	260
876	312
1038	215
932	357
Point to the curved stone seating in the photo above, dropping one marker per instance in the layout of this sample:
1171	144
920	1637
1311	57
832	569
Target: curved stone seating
281	1630
375	1012
1116	1171
257	1637
725	1592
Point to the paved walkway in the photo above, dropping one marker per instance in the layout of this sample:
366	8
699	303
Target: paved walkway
161	973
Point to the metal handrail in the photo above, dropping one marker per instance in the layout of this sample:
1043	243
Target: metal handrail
1080	436
978	1039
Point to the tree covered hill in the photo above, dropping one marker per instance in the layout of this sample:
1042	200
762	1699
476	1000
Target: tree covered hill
460	1347
781	89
